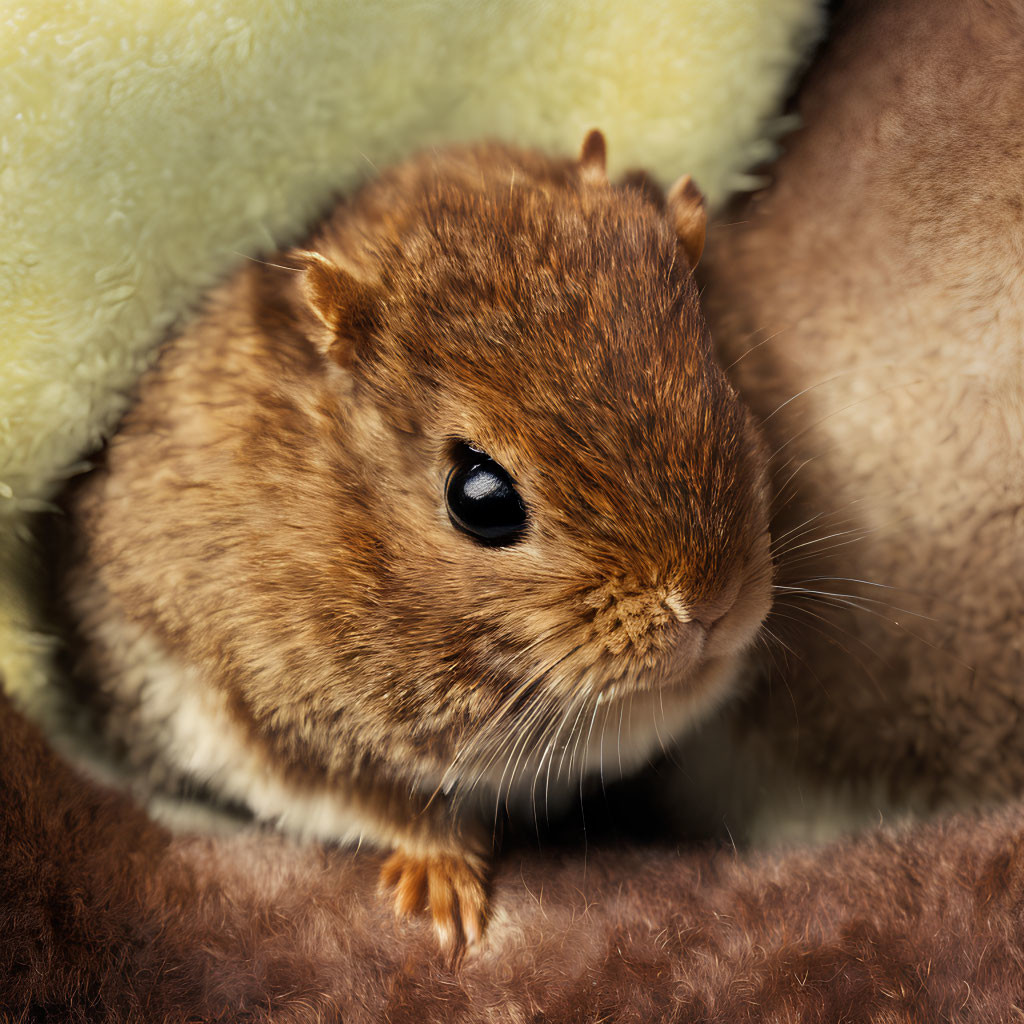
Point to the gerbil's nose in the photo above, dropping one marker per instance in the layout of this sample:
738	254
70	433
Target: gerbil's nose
706	612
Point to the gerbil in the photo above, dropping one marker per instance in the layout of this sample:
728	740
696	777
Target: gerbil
452	504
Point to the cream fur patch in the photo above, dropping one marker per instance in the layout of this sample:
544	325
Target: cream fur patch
180	728
185	725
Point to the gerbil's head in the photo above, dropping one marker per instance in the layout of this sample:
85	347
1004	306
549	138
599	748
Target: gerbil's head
535	506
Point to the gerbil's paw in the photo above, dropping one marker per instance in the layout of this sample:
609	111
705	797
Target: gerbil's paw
450	886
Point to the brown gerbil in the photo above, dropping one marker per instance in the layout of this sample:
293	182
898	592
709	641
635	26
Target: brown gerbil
451	506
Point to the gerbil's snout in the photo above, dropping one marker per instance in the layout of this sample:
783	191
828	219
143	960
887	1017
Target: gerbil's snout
628	619
706	611
673	627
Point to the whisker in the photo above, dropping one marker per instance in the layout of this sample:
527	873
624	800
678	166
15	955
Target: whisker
789	562
265	263
826	520
924	595
905	629
851	599
551	758
810	387
754	348
836	412
586	747
830	637
784	554
778	538
475	750
832	625
783	675
671	751
766	634
780	489
622	709
570	743
600	753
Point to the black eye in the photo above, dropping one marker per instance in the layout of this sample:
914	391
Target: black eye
483	500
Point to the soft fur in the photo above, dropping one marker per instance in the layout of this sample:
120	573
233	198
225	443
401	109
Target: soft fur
148	146
872	306
105	918
269	523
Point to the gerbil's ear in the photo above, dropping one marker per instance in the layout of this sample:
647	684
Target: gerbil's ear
593	157
687	213
341	305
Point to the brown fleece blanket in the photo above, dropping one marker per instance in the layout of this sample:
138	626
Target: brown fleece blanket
105	917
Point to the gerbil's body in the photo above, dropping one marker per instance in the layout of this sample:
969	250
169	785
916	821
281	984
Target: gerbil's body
279	601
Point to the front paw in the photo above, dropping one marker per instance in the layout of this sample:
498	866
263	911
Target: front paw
450	886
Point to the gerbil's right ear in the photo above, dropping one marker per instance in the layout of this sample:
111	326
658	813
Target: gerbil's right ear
687	213
593	157
341	306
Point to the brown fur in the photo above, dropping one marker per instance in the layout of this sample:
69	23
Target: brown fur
105	918
271	514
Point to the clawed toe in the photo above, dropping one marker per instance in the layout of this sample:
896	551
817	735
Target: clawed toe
450	887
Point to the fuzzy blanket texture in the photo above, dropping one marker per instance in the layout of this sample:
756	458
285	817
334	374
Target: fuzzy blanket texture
147	148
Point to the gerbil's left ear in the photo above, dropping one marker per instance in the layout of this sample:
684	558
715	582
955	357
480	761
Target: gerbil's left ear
593	157
687	213
341	305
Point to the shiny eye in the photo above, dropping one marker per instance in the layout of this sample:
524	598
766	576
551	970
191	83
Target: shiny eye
483	500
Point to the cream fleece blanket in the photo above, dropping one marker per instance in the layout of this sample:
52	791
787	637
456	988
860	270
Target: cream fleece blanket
146	146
